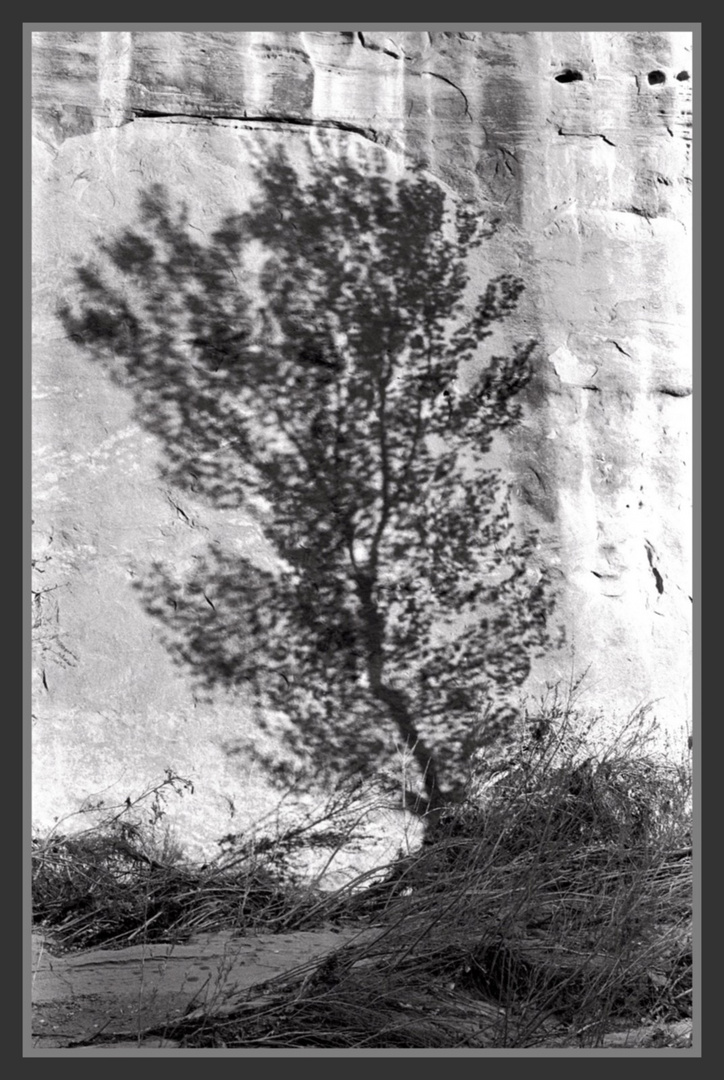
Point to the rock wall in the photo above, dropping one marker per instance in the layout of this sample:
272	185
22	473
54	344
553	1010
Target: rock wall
579	143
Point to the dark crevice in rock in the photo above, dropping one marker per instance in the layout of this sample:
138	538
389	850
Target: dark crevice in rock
376	48
295	121
656	78
683	76
180	512
616	345
675	391
585	135
569	75
211	604
654	569
538	477
444	79
639	212
505	154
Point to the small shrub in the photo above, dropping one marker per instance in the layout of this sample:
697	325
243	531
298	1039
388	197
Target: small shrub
122	880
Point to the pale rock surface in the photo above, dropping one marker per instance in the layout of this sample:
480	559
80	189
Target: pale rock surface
591	179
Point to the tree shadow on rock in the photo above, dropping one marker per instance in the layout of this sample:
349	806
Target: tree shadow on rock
335	390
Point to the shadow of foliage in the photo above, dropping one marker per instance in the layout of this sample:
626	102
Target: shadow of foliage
334	388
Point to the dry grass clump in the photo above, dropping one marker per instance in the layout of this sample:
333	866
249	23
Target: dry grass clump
101	890
551	908
120	882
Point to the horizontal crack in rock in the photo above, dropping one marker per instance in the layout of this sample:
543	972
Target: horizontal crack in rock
675	391
585	135
295	121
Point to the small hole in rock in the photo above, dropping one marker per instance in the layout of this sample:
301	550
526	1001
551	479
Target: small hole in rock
656	77
569	76
683	76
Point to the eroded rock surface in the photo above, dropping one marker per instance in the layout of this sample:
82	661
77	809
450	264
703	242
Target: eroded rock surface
579	143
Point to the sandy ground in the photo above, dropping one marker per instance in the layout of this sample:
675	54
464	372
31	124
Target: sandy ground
112	995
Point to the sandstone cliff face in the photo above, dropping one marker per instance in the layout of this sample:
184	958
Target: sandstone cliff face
579	143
